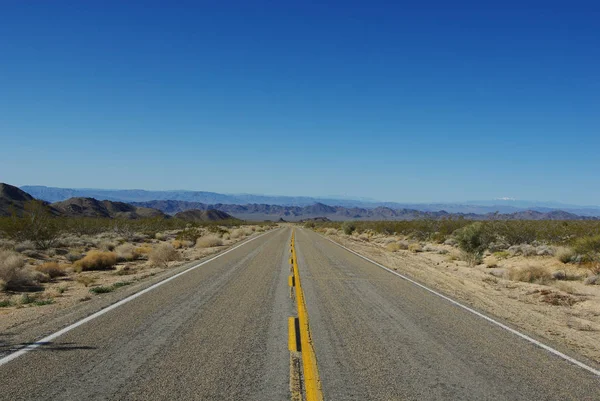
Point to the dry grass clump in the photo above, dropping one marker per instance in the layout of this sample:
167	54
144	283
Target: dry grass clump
178	244
393	247
25	246
530	274
237	233
415	248
13	273
564	287
331	231
97	260
492	262
163	254
52	269
126	251
565	254
209	241
142	251
107	246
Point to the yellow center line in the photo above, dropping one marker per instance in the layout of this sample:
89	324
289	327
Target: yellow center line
312	381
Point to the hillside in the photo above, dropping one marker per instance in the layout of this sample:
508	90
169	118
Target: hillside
13	199
203	215
90	207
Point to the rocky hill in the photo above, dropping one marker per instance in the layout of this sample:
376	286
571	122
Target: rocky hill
90	207
204	215
13	199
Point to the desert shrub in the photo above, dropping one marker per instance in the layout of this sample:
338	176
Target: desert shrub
178	244
209	241
473	240
415	247
331	231
588	247
530	274
491	263
160	236
565	255
74	256
501	255
237	233
163	254
97	260
126	251
52	269
393	247
102	289
25	246
13	273
106	246
189	234
217	230
348	227
142	251
310	224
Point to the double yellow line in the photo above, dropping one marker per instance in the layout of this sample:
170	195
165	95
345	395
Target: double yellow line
312	382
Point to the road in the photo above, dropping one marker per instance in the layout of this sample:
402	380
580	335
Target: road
219	332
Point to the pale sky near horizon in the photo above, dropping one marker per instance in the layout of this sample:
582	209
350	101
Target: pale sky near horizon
428	103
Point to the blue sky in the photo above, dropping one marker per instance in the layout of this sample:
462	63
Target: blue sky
440	101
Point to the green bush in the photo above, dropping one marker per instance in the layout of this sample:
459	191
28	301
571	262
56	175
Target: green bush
473	240
348	227
588	247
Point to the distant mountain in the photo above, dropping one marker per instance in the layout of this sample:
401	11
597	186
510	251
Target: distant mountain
204	215
90	207
199	199
319	211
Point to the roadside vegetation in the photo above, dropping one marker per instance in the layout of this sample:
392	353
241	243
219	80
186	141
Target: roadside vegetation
576	244
46	259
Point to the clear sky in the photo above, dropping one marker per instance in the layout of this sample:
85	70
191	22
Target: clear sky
409	102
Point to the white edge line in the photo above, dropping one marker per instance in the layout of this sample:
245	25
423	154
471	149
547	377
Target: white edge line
473	311
101	312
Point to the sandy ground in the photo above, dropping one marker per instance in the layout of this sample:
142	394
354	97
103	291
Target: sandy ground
565	312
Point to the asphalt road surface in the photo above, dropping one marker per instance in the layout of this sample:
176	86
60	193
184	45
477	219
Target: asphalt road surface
219	332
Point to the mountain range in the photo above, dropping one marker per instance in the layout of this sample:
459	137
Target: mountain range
14	199
505	206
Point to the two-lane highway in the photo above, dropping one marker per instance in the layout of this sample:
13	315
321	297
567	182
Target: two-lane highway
220	332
